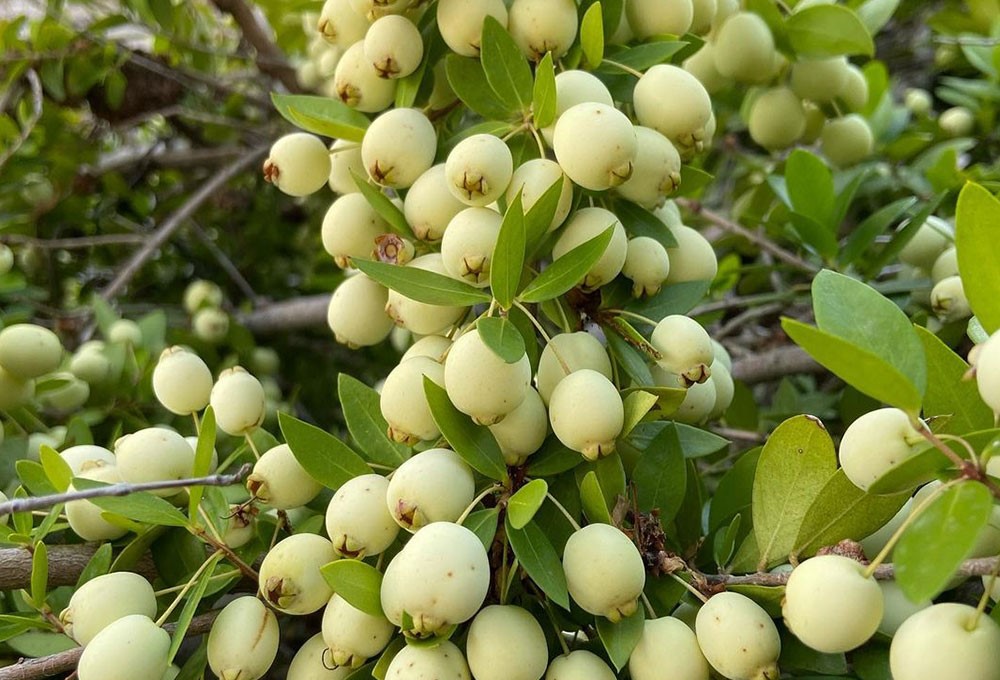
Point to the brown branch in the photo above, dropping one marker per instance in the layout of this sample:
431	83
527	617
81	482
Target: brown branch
29	125
63	662
66	563
288	315
270	59
176	219
184	158
774	364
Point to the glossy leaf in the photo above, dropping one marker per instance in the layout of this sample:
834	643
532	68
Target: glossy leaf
543	104
468	80
507	261
592	36
640	222
675	298
522	506
328	460
660	476
592	498
98	565
34	478
619	639
39	574
140	507
422	285
381	204
567	271
824	31
191	606
202	459
539	559
474	443
502	337
641	57
539	216
553	459
359	583
957	401
637	404
363	415
505	66
627	357
863	236
56	468
977	232
735	491
810	187
483	523
327	116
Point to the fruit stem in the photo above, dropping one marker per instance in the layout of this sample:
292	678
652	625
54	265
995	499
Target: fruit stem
174	589
253	447
633	315
648	605
197	423
538	140
985	597
516	131
547	606
910	519
628	69
475	501
211	561
565	512
690	588
969	468
548	340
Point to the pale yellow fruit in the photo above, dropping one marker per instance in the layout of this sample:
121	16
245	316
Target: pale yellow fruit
540	26
725	389
685	349
429	205
683	115
947	640
656	170
575	86
918	101
988	372
738	638
350	228
345	159
351	635
66	393
815	122
280	481
86	456
536	176
667	642
131	647
461	22
957	121
948	300
210	325
699	401
588	223
443	661
403	403
358	520
419	317
586	413
84	517
126	332
744	48
340	25
854	93
653	17
877	540
876	442
606	159
398	147
358	84
310	662
154	454
846	141
896	607
701	65
820	80
243	641
299	164
605	573
481	384
182	381
14	391
357	314
468	243
435	485
932	238
478	169
777	119
494	633
290	579
238	401
703	13
647	265
29	351
579	665
432	346
693	258
522	431
393	46
945	265
105	599
568	352
201	293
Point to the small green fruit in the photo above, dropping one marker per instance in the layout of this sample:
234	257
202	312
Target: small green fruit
540	26
744	48
575	86
468	244
820	80
647	265
429	205
651	17
359	85
685	349
340	25
948	300
154	454
957	121
84	517
933	237
478	169
461	22
693	259
403	402
897	607
419	317
311	662
681	117
533	178
656	170
988	372
606	159
918	101
345	162
125	332
210	325
777	119
522	431
238	401
350	228
846	141
201	293
393	46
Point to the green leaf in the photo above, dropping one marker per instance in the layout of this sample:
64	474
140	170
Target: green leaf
796	463
641	57
553	459
875	14
948	394
592	39
381	204
944	534
39	574
474	443
422	285
540	215
693	180
325	116
724	543
56	468
660	476
640	222
501	336
191	606
592	498
977	232
483	523
140	507
539	559
567	271
468	81
619	639
363	415
627	357
735	491
328	460
522	506
873	226
842	510
676	298
543	99
359	583
828	31
810	187
202	459
507	260
637	404
505	65
98	565
33	477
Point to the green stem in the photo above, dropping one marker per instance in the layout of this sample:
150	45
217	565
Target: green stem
475	501
187	586
564	511
628	69
633	315
690	588
985	598
910	519
197	423
253	447
648	605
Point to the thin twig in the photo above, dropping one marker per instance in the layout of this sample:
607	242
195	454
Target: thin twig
227	264
29	125
270	59
42	502
75	243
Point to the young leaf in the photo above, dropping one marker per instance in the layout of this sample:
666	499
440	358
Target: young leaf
543	97
474	443
507	261
483	523
359	583
823	31
98	565
592	37
328	460
191	606
539	216
810	187
505	66
39	574
501	336
539	558
140	507
422	285
522	506
567	271
468	81
592	498
202	459
56	468
637	404
552	459
660	476
948	395
363	414
976	235
327	116
640	222
619	639
930	550
33	477
379	202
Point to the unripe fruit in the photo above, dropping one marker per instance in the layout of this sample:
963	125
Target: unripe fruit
704	12
604	571
398	147
897	607
683	115
419	317
854	93
243	641
932	238
238	401
568	352
129	648
200	294
579	665
656	170
440	578
431	346
482	385
29	351
357	520
210	325
876	541
652	17
738	638
345	158
91	365
945	265
299	164
701	65
240	526
573	87
533	178
374	9
948	300
67	396
693	259
819	80
105	599
468	243
478	169
311	662
429	205
6	259
918	101
356	314
685	349
14	391
154	454
815	122
606	159
350	228
498	630
744	48
725	389
182	382
125	332
404	404
947	640
443	661
393	46
86	456
340	25
588	223
435	485
84	517
351	635
988	372
358	84
957	121
586	413
523	430
699	401
777	119
290	579
540	26
461	22
667	642
876	442
280	481
831	605
647	265
846	141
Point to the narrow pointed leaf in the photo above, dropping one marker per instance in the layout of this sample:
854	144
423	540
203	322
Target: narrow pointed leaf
507	261
592	37
522	506
359	583
619	639
422	285
381	204
567	271
328	460
474	443
505	66
326	116
363	414
140	507
543	99
539	559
